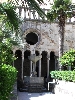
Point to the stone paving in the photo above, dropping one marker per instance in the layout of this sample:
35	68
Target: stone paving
43	96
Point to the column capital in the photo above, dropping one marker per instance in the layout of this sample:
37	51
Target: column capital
48	57
14	51
23	54
40	52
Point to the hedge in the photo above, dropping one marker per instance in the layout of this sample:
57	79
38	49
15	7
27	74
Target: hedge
7	79
63	75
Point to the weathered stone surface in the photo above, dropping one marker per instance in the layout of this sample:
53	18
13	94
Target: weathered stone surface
48	36
14	95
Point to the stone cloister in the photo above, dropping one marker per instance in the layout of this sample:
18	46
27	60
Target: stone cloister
40	38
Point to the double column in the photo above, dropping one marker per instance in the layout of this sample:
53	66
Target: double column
40	67
48	60
22	63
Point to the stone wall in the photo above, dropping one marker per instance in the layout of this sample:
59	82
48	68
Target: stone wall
48	40
49	35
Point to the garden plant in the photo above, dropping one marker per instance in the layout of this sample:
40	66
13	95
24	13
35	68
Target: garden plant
9	24
66	60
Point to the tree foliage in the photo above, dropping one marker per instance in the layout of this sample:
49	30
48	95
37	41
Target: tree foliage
68	58
60	11
7	79
60	8
33	4
10	17
9	26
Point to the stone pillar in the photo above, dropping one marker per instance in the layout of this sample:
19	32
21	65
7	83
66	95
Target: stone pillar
55	62
20	11
22	63
69	68
30	67
40	67
14	56
48	58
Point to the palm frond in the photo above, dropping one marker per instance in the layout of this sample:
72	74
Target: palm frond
60	7
9	11
34	5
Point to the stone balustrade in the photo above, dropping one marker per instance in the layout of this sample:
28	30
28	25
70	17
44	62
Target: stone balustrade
27	13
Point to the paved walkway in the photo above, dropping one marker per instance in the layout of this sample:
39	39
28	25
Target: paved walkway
43	96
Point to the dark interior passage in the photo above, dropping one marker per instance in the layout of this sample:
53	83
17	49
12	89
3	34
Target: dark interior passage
18	65
44	64
26	64
52	61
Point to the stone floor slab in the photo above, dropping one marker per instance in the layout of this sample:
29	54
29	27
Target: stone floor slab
43	96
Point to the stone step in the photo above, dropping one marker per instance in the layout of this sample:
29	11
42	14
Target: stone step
23	90
33	89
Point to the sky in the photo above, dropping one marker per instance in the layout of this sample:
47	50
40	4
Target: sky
47	3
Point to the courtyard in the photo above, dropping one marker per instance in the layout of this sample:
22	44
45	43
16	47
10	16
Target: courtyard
43	96
31	56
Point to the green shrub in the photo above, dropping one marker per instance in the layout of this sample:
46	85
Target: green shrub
7	79
63	75
6	56
68	58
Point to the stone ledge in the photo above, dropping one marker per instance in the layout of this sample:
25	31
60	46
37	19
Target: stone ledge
65	88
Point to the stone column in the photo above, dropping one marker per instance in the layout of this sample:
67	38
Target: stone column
30	67
55	62
69	68
14	56
22	63
48	58
20	11
40	67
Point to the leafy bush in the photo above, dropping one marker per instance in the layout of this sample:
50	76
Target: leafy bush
68	58
7	79
6	56
63	75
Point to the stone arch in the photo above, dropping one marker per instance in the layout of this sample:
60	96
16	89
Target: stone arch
44	64
18	54
37	63
52	61
31	30
18	65
37	53
26	64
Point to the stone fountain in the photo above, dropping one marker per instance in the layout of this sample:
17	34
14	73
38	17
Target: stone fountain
35	84
34	59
